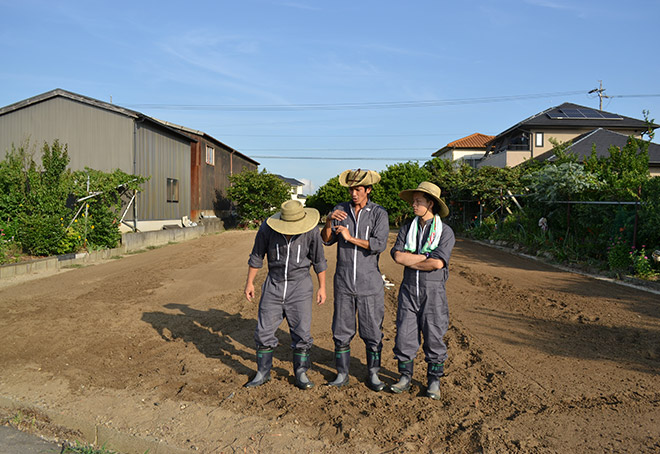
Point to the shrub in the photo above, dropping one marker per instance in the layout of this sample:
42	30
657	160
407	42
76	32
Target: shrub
394	179
641	263
257	195
618	254
33	203
328	196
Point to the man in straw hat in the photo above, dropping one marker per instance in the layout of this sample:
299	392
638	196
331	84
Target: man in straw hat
360	228
424	247
292	242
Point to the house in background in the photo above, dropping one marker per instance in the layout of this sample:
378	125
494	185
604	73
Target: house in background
531	137
105	137
296	188
600	140
211	164
469	149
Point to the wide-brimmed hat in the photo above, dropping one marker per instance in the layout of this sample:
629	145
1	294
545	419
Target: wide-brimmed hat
294	219
428	188
351	178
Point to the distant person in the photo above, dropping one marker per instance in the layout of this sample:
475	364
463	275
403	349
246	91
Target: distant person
292	242
424	247
360	229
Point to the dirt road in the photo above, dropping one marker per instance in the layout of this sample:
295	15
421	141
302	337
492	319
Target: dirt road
158	345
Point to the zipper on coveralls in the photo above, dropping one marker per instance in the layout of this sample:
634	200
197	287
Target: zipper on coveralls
419	247
286	268
357	224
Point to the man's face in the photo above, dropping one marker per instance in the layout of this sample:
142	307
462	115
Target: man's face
421	206
359	194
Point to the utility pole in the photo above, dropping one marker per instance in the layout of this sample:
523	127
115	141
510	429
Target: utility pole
601	94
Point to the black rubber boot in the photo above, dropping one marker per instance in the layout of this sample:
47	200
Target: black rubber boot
406	371
433	374
373	366
301	364
342	360
264	364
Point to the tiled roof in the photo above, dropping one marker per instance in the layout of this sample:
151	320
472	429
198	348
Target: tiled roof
475	140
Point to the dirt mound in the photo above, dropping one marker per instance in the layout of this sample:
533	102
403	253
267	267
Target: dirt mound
157	345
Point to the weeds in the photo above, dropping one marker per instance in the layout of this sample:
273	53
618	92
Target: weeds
79	448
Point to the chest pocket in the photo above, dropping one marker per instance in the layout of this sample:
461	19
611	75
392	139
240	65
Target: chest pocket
277	253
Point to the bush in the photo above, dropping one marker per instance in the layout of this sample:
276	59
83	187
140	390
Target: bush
257	195
393	180
33	204
328	196
641	263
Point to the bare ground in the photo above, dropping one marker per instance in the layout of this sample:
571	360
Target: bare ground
157	346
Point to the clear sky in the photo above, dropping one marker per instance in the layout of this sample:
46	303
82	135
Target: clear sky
357	83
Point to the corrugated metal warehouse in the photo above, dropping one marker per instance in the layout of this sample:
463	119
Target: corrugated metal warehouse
106	137
211	164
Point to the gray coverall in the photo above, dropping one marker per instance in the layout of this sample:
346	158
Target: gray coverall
288	290
422	307
358	284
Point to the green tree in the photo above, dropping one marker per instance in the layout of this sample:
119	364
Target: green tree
328	196
33	203
565	181
257	195
40	228
394	179
624	171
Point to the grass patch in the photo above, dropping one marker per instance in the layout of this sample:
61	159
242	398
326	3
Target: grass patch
138	251
116	257
73	266
85	449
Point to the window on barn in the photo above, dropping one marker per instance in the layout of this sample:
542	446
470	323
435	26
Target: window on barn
173	190
210	155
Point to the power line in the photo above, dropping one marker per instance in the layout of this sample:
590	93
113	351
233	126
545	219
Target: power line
353	105
343	135
331	158
341	149
636	96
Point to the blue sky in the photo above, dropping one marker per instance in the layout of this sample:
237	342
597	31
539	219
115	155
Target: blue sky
343	81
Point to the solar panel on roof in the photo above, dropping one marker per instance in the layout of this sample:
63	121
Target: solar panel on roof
611	116
572	113
591	113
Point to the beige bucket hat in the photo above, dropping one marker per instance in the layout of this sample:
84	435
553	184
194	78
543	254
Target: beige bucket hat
428	188
294	219
351	178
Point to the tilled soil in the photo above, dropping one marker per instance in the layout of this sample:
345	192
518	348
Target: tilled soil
158	345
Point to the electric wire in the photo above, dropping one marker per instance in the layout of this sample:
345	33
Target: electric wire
352	105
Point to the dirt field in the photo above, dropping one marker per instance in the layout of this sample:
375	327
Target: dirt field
159	344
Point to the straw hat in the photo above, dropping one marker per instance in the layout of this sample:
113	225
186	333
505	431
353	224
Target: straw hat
294	219
430	189
359	177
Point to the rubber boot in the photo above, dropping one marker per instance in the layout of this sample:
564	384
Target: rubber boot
405	380
373	366
264	364
301	364
342	360
433	374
